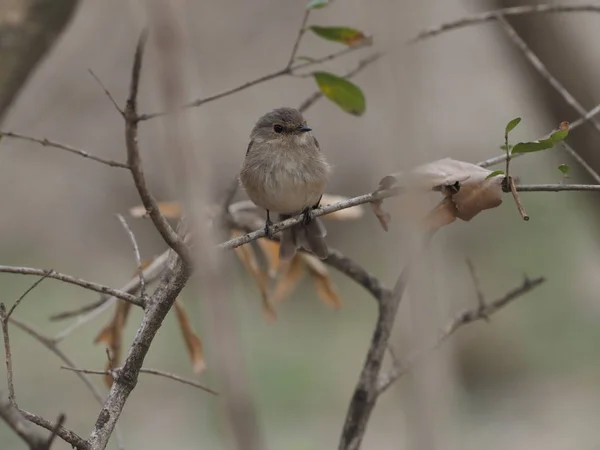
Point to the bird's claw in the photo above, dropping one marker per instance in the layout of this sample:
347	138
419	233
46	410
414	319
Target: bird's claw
269	229
307	216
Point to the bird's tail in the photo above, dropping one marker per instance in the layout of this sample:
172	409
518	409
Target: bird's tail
310	237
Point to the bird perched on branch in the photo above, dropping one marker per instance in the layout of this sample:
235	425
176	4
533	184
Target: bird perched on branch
285	172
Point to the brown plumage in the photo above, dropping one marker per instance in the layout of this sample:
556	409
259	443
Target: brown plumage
286	172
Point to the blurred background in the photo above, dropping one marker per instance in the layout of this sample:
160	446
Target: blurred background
528	379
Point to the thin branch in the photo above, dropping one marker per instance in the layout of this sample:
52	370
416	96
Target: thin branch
7	354
136	251
60	421
158	307
460	320
151	273
288	223
557	187
107	93
476	285
557	85
499	13
301	32
51	345
135	162
65	434
572	126
365	394
362	64
31	288
160	373
48	143
513	191
379	195
335	259
15	420
262	79
72	280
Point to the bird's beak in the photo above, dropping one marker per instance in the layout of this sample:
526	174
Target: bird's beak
304	128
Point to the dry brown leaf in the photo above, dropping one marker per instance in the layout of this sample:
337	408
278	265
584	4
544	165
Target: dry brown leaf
247	257
383	216
353	213
112	336
324	285
171	210
287	278
192	341
270	250
465	183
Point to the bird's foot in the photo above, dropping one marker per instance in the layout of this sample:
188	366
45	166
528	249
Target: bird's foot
269	228
307	216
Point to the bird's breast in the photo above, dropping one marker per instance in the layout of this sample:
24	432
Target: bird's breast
285	183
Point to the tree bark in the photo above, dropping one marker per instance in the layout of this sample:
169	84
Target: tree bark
28	29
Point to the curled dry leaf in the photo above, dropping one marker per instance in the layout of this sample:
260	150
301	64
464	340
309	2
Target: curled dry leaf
171	210
246	255
284	277
112	336
324	285
464	183
192	341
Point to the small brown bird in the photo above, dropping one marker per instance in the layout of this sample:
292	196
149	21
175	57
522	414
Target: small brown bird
285	172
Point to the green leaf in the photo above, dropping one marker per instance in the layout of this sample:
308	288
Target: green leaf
564	169
544	144
345	94
503	147
495	173
317	4
348	36
511	125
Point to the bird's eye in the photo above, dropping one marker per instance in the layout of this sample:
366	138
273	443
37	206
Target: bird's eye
277	128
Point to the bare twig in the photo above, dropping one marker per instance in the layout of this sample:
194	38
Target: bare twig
513	190
460	320
51	345
31	288
151	273
499	13
66	435
135	162
476	285
301	32
48	143
54	432
365	394
159	373
15	420
556	187
557	85
156	310
573	125
7	354
136	250
271	76
72	280
315	96
107	93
